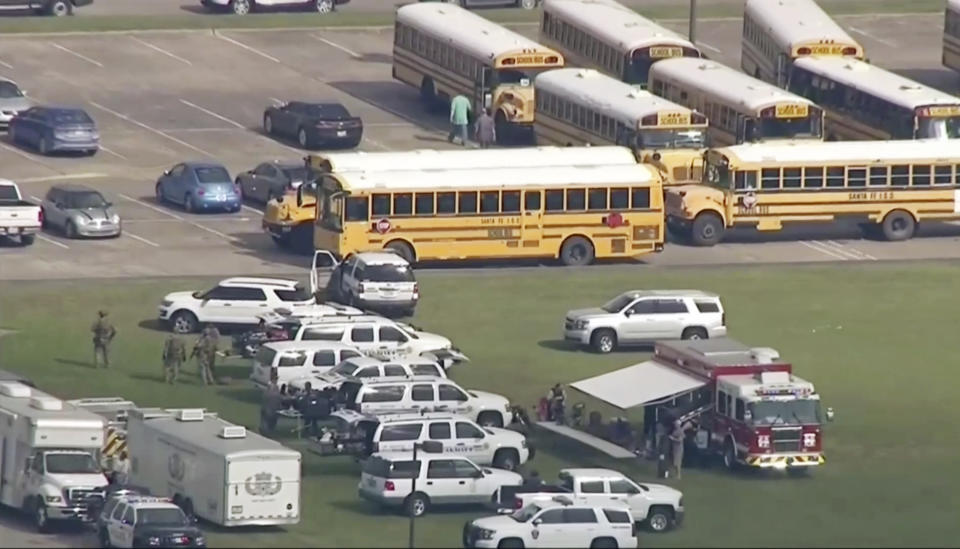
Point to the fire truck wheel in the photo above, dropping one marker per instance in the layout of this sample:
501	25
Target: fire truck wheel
603	341
729	455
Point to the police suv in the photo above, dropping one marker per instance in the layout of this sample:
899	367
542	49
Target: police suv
144	521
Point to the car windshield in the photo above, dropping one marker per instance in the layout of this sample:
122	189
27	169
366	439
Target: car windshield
785	412
70	117
86	200
212	174
328	111
617	304
387	273
9	90
71	464
344	369
525	514
295	174
161	517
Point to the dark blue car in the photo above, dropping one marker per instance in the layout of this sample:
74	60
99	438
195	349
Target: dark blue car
55	129
199	186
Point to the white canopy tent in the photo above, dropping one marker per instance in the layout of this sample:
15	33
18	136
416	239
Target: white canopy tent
641	384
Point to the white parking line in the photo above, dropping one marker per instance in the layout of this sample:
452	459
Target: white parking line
854	253
212	231
709	47
5	65
180	219
213	114
376	144
80	55
113	152
177	217
330	43
141	239
275	100
161	50
246	47
148	128
17	151
34	197
814	245
252	209
52	241
872	37
59	177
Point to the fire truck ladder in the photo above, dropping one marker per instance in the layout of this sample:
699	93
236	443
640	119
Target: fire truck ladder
696	412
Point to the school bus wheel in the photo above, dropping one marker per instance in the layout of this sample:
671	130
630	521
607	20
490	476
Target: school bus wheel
577	251
898	225
707	229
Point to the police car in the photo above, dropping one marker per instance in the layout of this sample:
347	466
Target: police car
144	521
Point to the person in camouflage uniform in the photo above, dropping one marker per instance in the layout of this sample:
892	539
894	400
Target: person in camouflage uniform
206	352
174	355
103	333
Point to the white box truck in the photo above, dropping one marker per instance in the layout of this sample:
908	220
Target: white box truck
48	456
213	469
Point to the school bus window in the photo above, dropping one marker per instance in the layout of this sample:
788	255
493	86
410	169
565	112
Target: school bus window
554	201
956	175
878	176
835	176
567	111
468	202
921	175
900	176
446	203
770	178
597	199
402	204
489	202
942	175
576	199
596	122
381	204
510	201
791	178
531	201
856	177
813	178
640	198
424	204
619	199
357	208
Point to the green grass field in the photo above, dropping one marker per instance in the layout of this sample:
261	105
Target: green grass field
878	341
347	18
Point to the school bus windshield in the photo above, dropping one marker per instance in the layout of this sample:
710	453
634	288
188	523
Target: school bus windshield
516	76
938	128
331	210
671	139
788	128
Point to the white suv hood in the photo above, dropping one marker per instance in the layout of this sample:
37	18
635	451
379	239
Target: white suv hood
180	298
495	401
502	477
497	523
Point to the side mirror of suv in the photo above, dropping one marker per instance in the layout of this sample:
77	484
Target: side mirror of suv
627	313
478	474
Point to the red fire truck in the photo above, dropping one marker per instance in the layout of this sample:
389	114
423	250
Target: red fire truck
751	409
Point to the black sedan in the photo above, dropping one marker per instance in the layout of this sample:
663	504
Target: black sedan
314	124
271	180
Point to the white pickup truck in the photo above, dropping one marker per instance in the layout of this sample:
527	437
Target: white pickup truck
658	507
19	219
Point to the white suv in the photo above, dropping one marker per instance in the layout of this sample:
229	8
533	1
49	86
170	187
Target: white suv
287	361
555	523
381	281
459	435
239	301
387	479
646	316
425	394
380	337
364	368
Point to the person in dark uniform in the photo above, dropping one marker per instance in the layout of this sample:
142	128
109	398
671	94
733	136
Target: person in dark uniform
174	355
270	407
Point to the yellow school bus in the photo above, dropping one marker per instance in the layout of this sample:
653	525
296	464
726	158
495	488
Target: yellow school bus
741	109
585	107
609	37
777	33
887	186
289	221
863	101
445	50
574	213
951	35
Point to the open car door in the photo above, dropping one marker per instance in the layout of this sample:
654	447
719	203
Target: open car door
323	265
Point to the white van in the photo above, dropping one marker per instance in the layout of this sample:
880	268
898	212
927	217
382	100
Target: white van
286	361
425	394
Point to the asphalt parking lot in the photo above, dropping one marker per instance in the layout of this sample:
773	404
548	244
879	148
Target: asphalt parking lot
164	97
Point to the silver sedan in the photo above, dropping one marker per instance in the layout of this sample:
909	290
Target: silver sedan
79	211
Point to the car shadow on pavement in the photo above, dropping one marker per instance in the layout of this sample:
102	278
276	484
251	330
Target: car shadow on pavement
260	246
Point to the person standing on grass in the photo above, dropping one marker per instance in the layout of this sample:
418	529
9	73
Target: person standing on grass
486	132
103	334
676	446
174	355
270	408
459	119
206	352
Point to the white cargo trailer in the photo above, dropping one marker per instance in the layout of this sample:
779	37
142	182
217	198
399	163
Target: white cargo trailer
48	456
213	469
